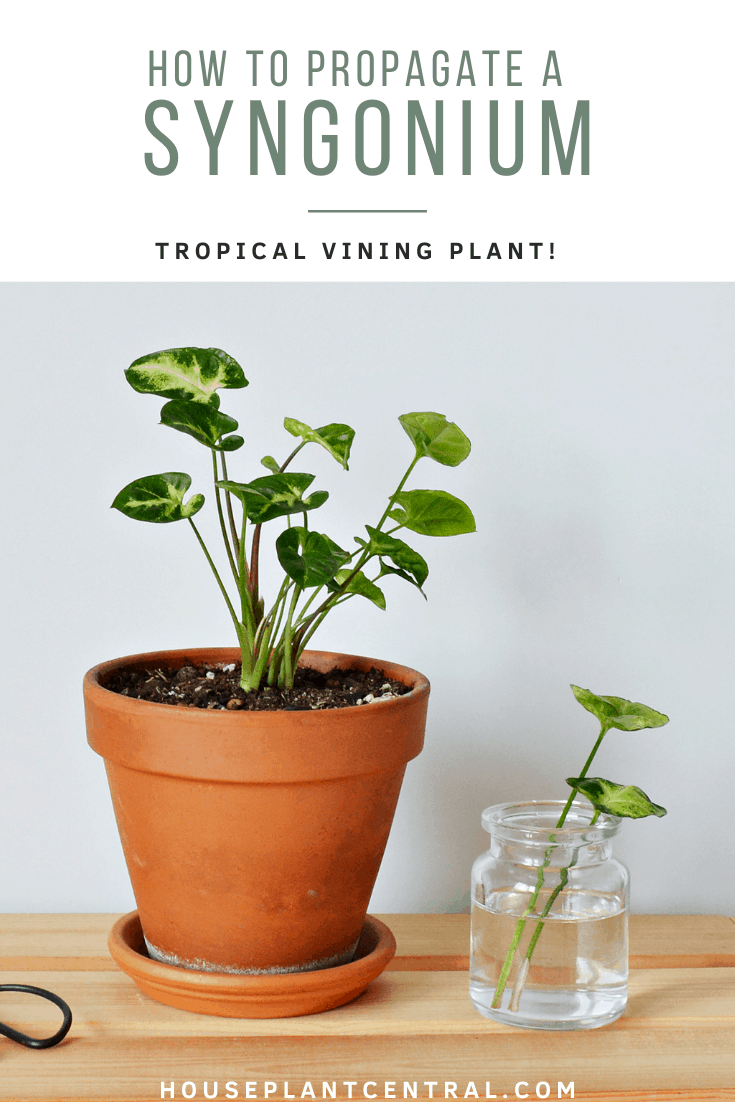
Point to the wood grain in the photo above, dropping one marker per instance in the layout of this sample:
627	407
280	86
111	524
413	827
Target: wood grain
656	941
414	1024
41	942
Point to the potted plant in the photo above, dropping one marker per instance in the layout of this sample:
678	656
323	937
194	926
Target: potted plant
253	825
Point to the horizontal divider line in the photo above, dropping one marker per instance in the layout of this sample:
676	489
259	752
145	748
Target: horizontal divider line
342	210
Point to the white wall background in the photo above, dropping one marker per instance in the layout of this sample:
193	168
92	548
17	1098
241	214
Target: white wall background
602	481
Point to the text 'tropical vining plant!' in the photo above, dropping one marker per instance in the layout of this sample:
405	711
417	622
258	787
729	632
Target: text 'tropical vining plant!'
318	574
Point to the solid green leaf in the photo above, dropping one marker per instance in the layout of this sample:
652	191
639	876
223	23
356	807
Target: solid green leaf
205	423
192	374
336	438
432	435
626	800
310	558
271	464
158	498
433	513
617	712
407	563
358	584
276	495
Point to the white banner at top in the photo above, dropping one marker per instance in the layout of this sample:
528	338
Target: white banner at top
399	141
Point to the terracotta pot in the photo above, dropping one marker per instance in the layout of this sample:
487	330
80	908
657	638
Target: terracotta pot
253	839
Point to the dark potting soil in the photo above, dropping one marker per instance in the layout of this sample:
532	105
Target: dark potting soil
218	687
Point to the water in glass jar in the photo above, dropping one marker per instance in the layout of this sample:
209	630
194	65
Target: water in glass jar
577	977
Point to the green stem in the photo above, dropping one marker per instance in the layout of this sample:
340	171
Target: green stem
230	514
310	625
293	455
225	594
396	492
263	636
223	526
253	572
304	607
583	774
246	606
563	878
288	669
520	925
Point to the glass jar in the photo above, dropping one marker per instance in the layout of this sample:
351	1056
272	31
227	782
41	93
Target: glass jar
549	943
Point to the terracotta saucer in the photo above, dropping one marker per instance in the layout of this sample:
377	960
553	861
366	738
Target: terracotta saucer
271	996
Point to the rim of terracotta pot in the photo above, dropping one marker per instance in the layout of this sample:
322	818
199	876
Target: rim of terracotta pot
268	747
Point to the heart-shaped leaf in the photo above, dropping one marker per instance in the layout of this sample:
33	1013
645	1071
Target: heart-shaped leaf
432	435
358	584
158	498
617	712
433	513
625	800
276	495
336	438
205	423
192	374
310	558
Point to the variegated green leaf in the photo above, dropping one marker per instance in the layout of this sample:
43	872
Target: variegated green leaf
276	495
205	423
271	464
158	498
432	435
626	800
336	438
617	712
432	513
358	584
310	558
192	374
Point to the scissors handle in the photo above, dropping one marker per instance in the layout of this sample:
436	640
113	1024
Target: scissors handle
37	1042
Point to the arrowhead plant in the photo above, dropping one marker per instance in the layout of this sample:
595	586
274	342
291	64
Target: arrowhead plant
318	575
623	800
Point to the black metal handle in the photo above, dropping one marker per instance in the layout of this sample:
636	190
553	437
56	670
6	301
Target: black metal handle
37	1042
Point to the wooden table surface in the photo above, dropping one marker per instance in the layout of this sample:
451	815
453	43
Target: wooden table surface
415	1025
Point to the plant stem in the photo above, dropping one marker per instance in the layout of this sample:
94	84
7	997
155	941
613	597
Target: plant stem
293	454
520	925
230	515
288	668
222	524
396	492
267	627
225	594
246	606
309	626
253	572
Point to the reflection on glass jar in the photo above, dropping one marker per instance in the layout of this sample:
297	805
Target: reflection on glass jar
549	919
